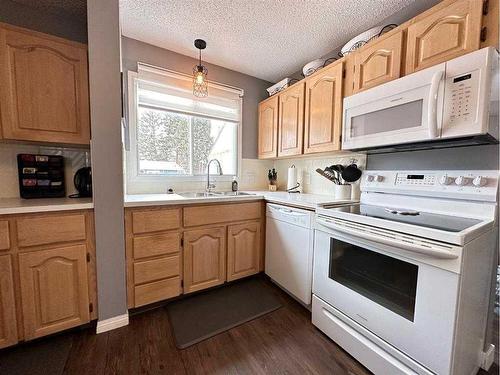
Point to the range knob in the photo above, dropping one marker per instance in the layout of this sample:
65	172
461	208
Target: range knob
445	180
480	181
379	178
462	180
370	178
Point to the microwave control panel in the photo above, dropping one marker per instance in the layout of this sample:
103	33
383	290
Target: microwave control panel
462	98
467	93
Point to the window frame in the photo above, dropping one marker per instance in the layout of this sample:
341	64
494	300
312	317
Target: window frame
133	178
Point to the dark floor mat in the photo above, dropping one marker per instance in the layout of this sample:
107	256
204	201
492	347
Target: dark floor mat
41	357
199	317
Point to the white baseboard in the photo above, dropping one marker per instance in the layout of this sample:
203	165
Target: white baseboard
112	323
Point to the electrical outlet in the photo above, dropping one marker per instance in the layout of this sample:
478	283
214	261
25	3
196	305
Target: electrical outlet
307	178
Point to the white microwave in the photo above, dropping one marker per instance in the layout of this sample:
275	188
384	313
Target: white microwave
453	103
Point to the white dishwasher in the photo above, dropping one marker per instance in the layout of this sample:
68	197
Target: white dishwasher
289	249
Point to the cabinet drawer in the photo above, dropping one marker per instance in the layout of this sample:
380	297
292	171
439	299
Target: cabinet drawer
221	213
158	244
4	235
157	291
156	269
155	220
41	230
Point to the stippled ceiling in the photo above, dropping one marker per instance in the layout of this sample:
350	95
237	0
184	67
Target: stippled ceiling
268	39
73	7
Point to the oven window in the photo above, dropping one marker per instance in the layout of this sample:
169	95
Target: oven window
403	116
387	281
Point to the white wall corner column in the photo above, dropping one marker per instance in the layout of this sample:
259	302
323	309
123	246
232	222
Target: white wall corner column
107	171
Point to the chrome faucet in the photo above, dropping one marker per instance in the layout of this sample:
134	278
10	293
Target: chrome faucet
219	170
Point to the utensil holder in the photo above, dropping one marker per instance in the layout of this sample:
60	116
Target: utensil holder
273	187
342	192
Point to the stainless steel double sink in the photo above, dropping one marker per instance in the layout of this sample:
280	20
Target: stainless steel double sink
213	194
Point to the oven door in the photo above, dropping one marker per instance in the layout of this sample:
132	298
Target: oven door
409	304
406	110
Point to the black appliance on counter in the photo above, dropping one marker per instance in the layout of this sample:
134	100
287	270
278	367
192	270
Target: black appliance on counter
41	176
83	183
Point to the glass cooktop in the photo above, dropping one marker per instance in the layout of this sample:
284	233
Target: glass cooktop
422	219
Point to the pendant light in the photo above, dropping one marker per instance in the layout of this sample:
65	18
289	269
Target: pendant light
200	83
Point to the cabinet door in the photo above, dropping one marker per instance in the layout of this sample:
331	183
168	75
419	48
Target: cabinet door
444	35
268	128
204	258
291	121
8	322
378	62
323	110
243	250
54	290
43	88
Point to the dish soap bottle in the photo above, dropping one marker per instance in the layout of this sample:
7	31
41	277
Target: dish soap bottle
234	184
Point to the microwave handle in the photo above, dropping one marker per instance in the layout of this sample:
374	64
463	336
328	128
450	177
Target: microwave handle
432	104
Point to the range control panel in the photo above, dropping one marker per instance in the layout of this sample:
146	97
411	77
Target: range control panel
475	185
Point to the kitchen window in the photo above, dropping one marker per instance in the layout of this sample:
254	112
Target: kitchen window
172	134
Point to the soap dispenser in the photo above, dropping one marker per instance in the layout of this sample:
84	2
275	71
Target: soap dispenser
234	184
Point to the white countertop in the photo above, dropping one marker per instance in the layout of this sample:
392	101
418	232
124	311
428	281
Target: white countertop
23	206
302	200
141	200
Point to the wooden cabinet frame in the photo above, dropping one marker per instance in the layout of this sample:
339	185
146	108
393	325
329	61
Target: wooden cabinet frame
53	247
201	224
43	87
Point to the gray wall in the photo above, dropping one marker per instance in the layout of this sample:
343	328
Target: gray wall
107	170
136	51
471	157
60	24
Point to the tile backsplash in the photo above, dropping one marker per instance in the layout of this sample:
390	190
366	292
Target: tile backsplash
74	159
311	181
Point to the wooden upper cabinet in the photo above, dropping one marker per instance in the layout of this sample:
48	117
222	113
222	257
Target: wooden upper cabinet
268	128
443	35
291	121
204	258
243	250
43	87
8	322
378	62
54	290
323	120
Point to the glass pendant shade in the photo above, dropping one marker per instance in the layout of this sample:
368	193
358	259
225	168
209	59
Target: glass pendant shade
200	83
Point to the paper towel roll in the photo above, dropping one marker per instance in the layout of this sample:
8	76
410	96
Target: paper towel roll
292	178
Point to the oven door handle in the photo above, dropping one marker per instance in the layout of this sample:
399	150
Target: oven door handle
386	240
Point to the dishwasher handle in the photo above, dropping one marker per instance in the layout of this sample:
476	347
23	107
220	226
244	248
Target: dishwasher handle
286	211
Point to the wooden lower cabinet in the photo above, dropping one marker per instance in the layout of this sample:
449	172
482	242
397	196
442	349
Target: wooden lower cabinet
208	245
243	250
8	321
204	258
54	289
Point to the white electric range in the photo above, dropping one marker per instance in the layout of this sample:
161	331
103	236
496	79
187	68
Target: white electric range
401	280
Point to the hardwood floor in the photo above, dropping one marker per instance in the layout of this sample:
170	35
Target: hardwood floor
281	342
